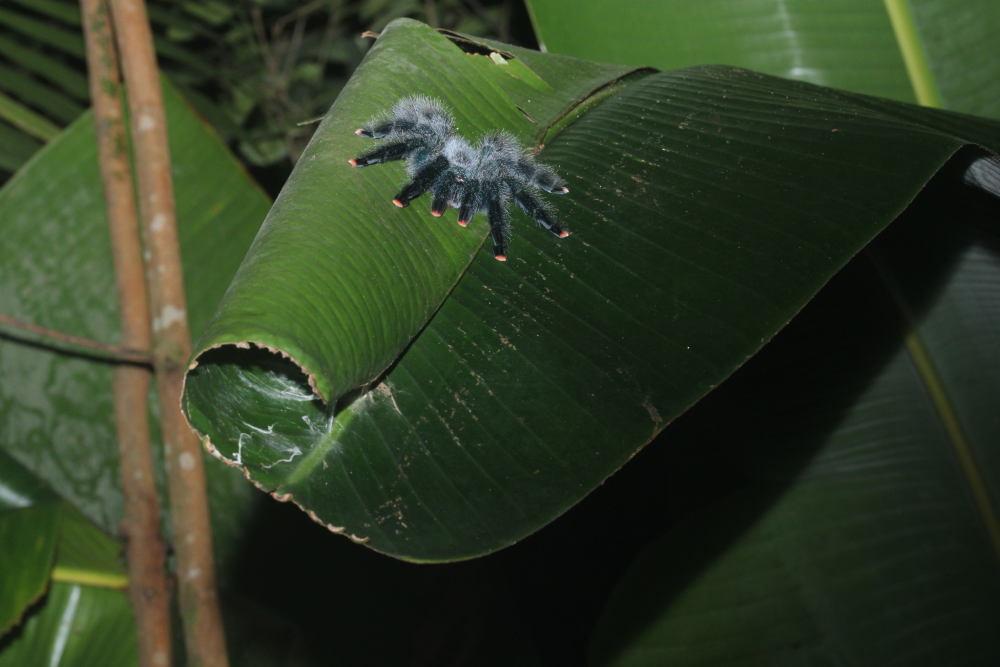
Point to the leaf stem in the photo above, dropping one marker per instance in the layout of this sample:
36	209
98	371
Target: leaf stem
956	434
914	57
942	404
69	575
64	342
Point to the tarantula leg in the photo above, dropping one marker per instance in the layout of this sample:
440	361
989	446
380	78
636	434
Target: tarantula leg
440	203
387	153
421	182
539	212
547	179
467	209
382	129
497	213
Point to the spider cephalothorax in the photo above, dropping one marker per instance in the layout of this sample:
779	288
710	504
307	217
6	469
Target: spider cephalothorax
484	178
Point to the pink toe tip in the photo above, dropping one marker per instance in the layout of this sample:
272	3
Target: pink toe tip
436	214
397	203
464	223
358	131
565	191
563	235
354	163
501	258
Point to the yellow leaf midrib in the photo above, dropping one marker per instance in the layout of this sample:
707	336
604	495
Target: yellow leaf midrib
917	67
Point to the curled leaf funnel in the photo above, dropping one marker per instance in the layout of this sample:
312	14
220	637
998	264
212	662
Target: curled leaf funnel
370	364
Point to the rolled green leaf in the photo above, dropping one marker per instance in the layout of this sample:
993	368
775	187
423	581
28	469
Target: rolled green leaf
706	206
361	277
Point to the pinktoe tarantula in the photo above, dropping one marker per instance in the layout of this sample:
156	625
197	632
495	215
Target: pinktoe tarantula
476	179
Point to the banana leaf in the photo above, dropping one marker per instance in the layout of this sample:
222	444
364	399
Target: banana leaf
29	528
78	626
49	80
76	612
379	368
847	529
938	52
865	429
56	415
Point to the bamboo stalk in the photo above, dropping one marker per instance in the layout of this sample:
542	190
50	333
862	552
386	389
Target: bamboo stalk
203	632
145	549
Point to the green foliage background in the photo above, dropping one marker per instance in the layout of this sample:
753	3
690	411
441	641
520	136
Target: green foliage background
255	69
803	513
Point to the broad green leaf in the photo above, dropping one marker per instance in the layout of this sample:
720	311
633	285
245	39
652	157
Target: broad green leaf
69	42
86	555
19	488
30	42
45	539
380	263
958	41
856	45
55	409
855	539
77	626
26	120
707	207
38	95
15	147
64	77
60	10
29	537
29	533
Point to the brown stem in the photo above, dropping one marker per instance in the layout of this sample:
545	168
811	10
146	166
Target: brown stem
64	342
130	384
192	533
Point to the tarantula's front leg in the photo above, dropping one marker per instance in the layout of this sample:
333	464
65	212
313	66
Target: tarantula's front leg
449	191
537	210
422	182
548	180
469	204
440	203
379	130
386	153
542	176
497	213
